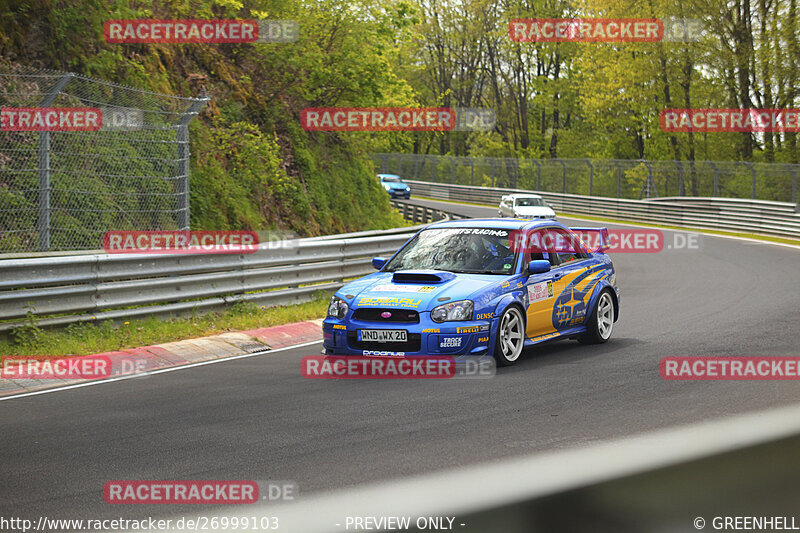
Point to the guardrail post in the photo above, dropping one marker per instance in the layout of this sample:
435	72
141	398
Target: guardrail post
591	176
43	223
183	160
716	178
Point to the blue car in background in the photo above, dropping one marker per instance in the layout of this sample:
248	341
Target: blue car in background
395	186
467	287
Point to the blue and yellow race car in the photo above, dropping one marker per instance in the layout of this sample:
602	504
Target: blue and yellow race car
477	287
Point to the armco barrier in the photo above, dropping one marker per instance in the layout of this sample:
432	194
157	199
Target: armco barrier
724	214
66	289
422	214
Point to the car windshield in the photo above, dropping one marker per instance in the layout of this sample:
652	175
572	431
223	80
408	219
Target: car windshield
528	202
391	179
463	250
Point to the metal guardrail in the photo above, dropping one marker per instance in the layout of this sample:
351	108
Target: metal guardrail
618	178
422	214
724	214
62	290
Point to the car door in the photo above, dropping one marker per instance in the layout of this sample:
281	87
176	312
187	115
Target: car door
540	288
555	301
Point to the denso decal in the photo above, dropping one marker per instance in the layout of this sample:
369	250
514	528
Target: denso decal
484	316
386	300
450	342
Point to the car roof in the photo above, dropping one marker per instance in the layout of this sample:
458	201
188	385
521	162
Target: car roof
389	176
515	196
495	223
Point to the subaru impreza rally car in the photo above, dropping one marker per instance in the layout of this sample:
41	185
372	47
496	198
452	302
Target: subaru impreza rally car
468	287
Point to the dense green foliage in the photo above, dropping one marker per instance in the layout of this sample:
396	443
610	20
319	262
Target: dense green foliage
254	167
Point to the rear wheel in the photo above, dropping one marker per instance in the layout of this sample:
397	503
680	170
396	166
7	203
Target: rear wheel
601	320
510	337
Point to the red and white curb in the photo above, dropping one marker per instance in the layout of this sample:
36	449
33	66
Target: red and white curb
190	352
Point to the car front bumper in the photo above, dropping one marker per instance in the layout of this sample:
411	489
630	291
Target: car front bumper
474	337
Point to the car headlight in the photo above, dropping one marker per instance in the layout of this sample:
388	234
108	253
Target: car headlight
452	311
337	308
388	188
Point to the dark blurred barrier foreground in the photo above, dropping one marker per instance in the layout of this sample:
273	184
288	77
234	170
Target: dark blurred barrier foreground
684	479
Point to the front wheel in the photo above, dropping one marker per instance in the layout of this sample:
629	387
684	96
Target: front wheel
510	337
601	321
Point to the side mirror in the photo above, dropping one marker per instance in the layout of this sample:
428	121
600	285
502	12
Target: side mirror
378	262
537	266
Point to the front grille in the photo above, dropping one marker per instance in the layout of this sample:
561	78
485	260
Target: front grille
368	314
412	345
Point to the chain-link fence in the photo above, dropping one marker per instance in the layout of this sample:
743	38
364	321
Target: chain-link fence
615	178
62	186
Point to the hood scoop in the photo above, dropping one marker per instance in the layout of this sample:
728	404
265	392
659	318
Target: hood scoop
422	276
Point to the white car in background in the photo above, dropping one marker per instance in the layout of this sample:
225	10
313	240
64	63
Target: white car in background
525	206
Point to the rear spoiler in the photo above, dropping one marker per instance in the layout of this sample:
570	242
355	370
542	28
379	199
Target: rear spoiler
593	239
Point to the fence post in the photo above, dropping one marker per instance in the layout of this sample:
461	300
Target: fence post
793	170
471	171
538	174
43	223
563	176
183	160
681	184
452	170
753	172
384	163
591	176
619	178
494	168
716	178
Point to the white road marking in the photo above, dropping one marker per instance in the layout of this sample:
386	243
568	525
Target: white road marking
160	371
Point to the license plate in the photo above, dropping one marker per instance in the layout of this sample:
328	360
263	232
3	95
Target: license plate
383	335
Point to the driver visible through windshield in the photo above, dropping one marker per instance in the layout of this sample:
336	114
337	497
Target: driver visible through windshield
529	202
462	250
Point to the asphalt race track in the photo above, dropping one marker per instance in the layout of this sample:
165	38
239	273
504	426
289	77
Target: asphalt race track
258	419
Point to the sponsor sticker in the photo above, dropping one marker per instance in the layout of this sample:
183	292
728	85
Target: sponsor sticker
388	301
450	342
403	288
471	329
540	291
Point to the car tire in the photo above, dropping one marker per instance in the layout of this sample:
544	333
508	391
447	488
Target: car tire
510	337
601	320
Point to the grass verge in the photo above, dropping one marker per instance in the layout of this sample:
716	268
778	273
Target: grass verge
90	338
